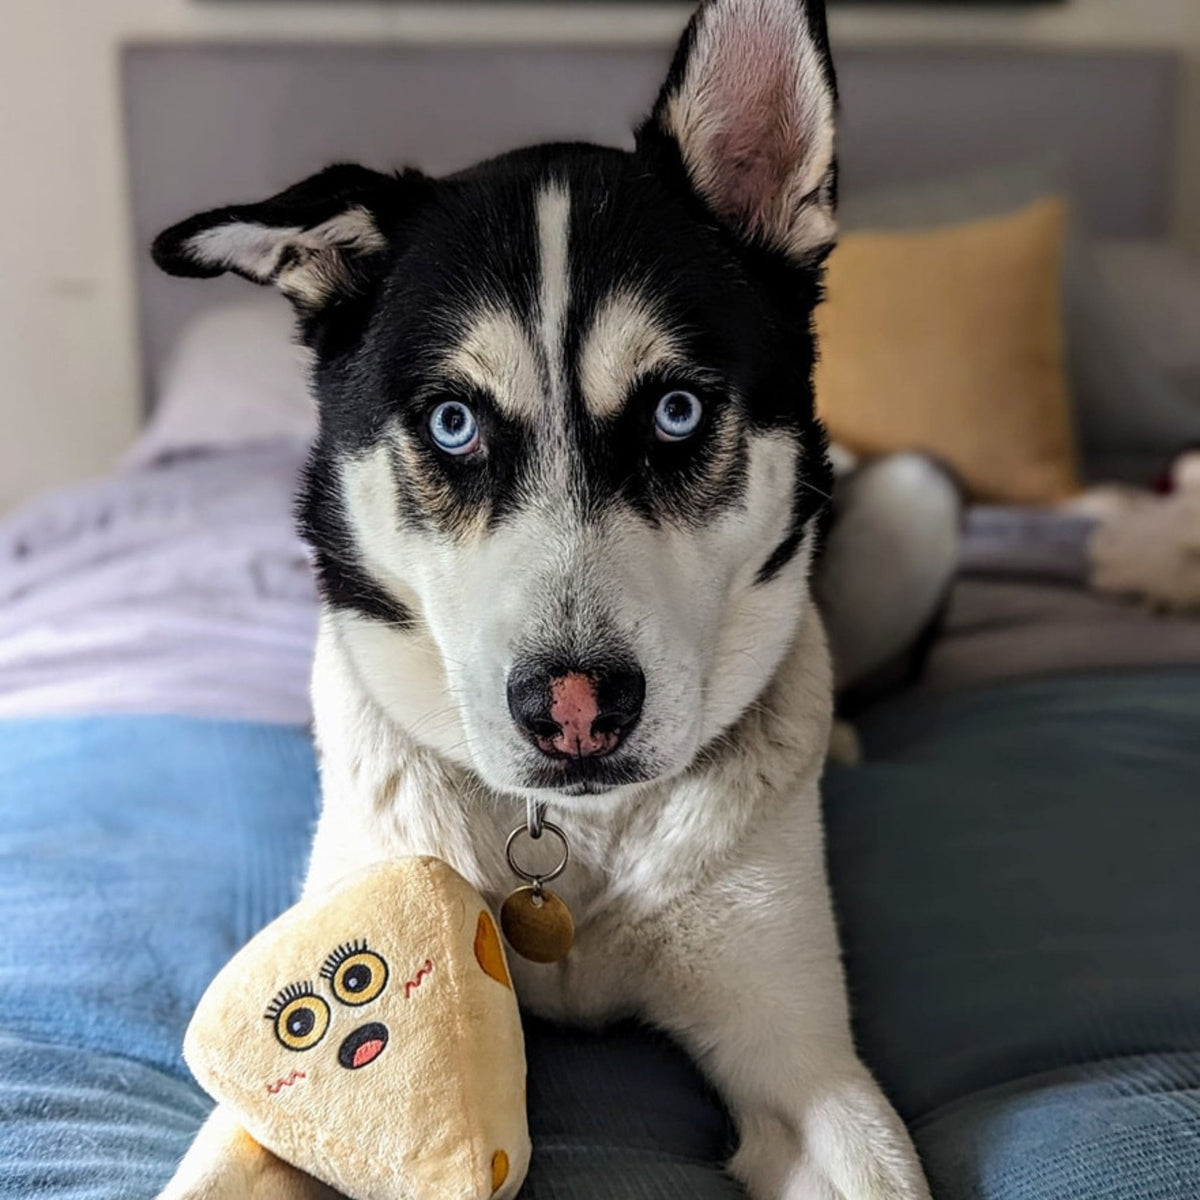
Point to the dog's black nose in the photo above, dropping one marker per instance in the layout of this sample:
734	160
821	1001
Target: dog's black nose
576	714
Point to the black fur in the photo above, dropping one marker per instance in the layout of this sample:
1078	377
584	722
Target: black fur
343	581
743	311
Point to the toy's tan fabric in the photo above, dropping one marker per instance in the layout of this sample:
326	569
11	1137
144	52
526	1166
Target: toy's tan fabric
371	1038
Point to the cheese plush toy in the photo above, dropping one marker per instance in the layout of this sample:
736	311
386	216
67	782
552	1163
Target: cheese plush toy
370	1037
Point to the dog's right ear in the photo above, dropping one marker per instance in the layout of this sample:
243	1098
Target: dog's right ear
747	111
316	241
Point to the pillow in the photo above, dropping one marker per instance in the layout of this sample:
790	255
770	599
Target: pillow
950	341
1155	287
952	200
1130	416
235	376
1134	418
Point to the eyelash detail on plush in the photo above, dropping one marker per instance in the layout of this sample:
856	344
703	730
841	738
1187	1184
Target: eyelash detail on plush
344	951
286	996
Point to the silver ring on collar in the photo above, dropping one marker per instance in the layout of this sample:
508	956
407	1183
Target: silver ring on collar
529	876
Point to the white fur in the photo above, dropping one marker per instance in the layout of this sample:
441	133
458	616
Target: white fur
246	246
554	245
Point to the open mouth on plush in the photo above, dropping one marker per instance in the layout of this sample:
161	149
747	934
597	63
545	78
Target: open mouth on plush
363	1046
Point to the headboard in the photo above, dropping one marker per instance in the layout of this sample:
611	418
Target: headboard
212	124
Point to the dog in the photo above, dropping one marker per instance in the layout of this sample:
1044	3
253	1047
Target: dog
563	504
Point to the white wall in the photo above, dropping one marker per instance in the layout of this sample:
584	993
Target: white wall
68	376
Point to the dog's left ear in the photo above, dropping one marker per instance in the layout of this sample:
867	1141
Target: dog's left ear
748	107
319	240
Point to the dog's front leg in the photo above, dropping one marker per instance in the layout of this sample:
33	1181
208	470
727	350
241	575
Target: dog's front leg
812	1123
226	1163
753	986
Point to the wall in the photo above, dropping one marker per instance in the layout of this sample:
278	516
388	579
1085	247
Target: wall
68	375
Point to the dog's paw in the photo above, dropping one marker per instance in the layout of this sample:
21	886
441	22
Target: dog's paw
848	1144
771	1164
862	1146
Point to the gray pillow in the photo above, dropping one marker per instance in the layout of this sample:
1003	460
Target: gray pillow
1157	285
1130	419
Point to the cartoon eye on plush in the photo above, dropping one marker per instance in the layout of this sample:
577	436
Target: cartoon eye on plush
301	1017
356	974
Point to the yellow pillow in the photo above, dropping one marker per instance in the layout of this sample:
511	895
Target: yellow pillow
951	341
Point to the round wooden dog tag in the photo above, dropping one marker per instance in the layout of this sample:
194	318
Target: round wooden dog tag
538	925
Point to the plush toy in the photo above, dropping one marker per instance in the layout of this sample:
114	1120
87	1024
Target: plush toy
370	1037
1146	544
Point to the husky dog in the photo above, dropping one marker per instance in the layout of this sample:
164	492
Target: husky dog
563	506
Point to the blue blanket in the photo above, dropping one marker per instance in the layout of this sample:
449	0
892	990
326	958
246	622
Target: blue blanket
1015	870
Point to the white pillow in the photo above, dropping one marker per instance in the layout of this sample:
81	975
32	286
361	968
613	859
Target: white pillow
235	376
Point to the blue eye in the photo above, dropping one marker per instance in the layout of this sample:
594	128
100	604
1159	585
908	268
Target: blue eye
677	416
453	427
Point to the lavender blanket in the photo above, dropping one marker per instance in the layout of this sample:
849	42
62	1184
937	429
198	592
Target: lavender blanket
174	588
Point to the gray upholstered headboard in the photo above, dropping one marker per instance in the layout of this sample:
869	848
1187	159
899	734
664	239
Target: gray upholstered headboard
212	124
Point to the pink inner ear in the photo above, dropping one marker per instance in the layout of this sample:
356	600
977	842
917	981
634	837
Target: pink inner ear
761	139
754	117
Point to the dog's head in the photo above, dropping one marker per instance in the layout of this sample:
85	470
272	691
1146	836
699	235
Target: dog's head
565	488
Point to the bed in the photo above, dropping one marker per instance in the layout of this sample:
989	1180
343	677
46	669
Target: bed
1013	861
